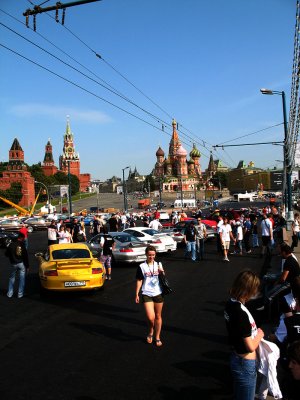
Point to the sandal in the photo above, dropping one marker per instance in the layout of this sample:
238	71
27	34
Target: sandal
149	339
158	342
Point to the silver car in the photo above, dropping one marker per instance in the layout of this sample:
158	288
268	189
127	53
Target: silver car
128	249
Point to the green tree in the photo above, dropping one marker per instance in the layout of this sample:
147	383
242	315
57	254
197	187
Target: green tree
14	194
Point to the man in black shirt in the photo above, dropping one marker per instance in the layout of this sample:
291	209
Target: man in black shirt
18	257
190	233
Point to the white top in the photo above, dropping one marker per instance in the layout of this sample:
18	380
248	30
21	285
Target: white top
296	227
225	230
51	233
266	227
63	237
151	285
220	223
201	230
155	224
239	233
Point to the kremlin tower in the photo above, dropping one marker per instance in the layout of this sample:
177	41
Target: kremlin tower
16	171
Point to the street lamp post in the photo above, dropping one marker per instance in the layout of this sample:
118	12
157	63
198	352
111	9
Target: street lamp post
47	191
124	189
286	163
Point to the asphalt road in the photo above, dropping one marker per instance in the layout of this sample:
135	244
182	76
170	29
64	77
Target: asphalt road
92	346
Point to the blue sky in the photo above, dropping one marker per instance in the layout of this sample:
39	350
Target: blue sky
202	62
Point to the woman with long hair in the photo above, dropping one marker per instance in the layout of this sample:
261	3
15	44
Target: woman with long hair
244	336
151	294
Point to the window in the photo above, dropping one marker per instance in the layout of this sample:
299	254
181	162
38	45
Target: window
66	254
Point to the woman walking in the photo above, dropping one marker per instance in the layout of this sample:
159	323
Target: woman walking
151	294
244	337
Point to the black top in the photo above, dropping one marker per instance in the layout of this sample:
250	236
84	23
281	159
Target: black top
107	245
240	325
17	253
190	233
293	327
291	265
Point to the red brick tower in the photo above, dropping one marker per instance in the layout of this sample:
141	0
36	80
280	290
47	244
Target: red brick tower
69	155
17	172
48	165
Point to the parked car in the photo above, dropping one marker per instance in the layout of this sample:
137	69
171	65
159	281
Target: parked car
128	248
68	267
13	225
37	223
7	237
161	241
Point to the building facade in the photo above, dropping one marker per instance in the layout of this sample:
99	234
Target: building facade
174	172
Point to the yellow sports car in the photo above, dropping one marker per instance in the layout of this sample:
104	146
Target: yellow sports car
70	266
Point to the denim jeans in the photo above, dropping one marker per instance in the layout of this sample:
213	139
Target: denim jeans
200	248
22	271
190	247
255	240
244	377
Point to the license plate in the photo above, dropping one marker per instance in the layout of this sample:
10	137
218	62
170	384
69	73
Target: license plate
75	284
169	246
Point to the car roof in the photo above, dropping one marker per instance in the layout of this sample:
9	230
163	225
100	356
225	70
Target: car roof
63	246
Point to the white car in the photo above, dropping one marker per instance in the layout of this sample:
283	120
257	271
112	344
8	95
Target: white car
161	241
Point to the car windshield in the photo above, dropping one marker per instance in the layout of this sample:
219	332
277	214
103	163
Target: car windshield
65	254
125	238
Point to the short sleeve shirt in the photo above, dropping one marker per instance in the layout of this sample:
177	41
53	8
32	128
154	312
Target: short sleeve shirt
240	325
149	275
291	265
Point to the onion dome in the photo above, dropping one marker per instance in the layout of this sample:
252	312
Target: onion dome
160	152
195	152
181	152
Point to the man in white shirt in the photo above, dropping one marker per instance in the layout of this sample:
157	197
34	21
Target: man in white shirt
266	234
155	224
200	238
225	236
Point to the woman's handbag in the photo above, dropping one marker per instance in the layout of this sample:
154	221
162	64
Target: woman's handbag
164	284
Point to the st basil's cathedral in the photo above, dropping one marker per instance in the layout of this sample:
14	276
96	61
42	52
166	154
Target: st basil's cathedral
175	171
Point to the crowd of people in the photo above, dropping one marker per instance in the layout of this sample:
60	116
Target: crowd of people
256	357
252	352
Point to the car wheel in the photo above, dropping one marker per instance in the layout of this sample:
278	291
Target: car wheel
30	229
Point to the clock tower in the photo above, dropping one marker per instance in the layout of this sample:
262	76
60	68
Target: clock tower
69	154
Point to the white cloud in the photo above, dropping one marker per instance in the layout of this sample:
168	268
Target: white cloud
57	112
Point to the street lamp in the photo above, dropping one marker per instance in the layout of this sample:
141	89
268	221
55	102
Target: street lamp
287	173
47	191
124	189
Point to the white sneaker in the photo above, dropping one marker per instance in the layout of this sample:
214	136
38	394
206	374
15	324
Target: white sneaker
226	259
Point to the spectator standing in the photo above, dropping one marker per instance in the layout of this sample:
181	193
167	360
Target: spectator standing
200	237
247	233
225	236
52	233
18	257
123	221
74	230
266	234
107	244
113	223
219	224
63	236
255	233
24	230
295	229
244	336
238	239
190	234
155	224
